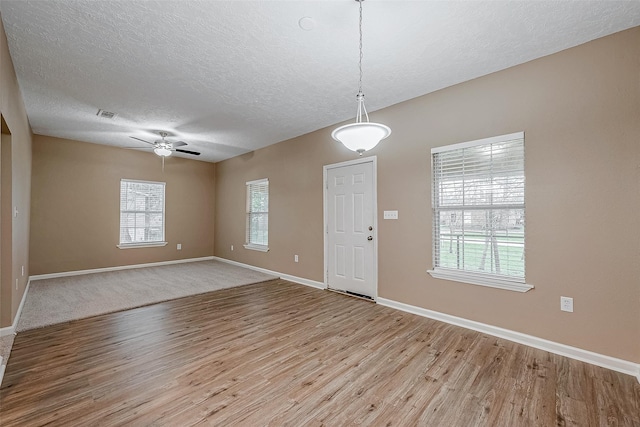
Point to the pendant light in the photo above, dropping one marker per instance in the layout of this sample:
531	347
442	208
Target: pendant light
362	135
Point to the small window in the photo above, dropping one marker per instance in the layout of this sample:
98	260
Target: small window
141	213
257	236
478	209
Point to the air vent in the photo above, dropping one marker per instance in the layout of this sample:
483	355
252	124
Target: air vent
106	114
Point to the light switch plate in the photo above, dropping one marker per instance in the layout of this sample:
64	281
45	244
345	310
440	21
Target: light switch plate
390	214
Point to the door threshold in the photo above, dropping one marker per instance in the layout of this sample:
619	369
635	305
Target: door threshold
353	295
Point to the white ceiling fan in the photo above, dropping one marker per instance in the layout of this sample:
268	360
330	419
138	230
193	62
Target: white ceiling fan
164	148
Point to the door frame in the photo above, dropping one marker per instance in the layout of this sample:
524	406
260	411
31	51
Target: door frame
325	187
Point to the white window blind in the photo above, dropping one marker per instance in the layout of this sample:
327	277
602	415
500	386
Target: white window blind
141	212
479	212
257	236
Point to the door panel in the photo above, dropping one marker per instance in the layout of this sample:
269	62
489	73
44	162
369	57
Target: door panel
340	261
339	214
350	229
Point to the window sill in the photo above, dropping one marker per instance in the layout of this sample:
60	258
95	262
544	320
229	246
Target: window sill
260	248
479	279
141	245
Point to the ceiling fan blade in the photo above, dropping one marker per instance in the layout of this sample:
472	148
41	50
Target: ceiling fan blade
179	144
188	152
142	140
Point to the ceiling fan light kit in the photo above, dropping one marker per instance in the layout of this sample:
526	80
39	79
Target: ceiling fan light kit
362	135
162	151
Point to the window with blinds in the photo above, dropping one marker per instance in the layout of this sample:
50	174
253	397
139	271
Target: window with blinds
479	212
257	236
141	213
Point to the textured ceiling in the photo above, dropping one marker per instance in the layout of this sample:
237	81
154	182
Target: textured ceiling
229	77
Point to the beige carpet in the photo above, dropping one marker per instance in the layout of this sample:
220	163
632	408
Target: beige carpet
6	342
51	301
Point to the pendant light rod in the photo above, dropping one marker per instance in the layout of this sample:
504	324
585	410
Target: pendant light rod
361	135
360	62
360	95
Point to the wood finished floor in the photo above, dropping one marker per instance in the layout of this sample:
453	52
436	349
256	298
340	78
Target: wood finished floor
278	353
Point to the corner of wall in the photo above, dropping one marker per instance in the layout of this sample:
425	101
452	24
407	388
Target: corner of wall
16	124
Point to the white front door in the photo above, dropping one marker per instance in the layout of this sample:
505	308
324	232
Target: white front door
350	217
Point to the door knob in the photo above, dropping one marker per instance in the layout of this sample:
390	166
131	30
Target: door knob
370	238
370	228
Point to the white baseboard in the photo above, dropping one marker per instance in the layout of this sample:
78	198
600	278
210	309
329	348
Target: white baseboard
120	267
295	279
2	368
619	365
602	360
21	306
7	330
11	330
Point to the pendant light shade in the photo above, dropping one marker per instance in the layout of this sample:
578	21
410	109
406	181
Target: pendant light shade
361	135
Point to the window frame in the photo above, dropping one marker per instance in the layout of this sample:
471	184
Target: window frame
148	243
248	230
457	274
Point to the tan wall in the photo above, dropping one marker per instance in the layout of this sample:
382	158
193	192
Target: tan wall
580	111
6	228
76	200
15	116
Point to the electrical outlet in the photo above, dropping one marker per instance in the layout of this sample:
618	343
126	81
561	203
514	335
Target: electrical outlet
16	284
295	258
232	247
179	246
566	304
23	271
